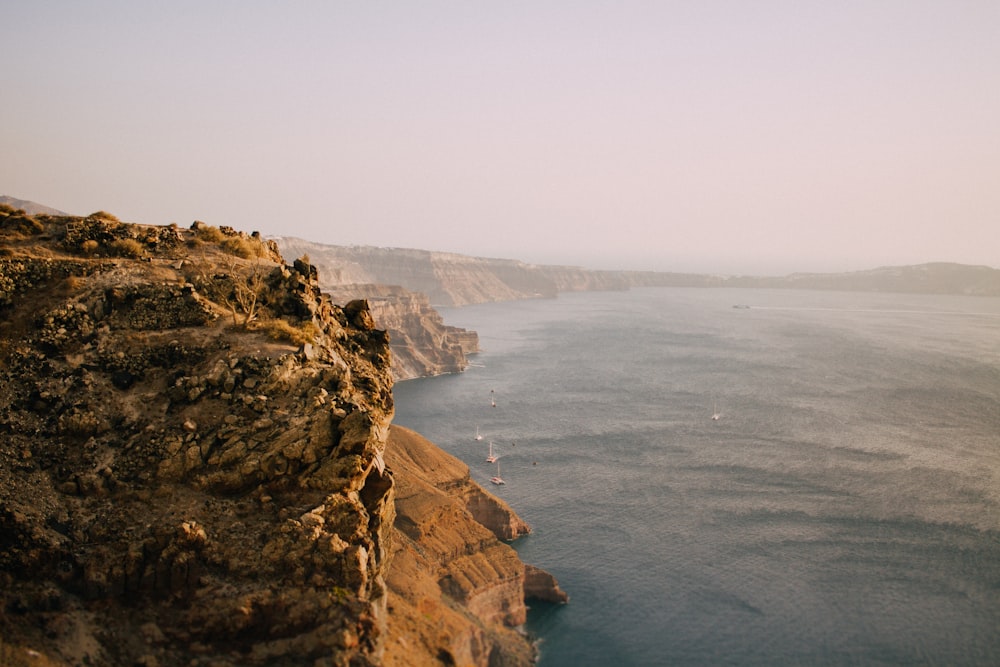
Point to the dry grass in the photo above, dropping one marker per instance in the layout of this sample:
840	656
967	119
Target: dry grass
281	330
127	248
19	221
243	247
73	284
104	215
209	234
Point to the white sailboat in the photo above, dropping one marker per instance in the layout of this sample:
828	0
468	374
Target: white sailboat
492	457
497	479
478	437
493	400
716	415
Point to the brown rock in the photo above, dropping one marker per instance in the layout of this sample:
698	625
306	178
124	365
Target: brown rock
177	543
456	590
540	585
177	487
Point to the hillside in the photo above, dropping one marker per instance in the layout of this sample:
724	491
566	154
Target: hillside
933	278
194	466
447	548
29	207
455	280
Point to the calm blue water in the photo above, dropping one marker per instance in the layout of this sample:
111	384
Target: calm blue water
844	510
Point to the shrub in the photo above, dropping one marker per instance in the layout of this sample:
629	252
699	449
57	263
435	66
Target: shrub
243	247
89	247
127	248
104	215
209	234
20	221
280	330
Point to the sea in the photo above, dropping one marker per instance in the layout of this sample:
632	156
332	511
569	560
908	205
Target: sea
843	509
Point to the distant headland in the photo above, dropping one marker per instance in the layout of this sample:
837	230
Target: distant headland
450	279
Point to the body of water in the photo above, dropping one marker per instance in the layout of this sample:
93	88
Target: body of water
843	510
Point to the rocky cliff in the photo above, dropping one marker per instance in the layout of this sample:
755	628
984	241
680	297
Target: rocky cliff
456	591
454	280
422	344
192	460
447	279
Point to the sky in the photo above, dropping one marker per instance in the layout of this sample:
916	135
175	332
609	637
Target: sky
760	137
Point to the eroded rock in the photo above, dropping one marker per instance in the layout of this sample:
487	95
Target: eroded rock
155	460
188	478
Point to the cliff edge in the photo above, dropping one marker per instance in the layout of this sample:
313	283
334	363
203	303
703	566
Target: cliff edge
192	460
191	467
456	591
447	279
422	344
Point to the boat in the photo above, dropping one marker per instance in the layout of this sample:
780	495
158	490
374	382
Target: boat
492	457
497	479
478	437
493	400
716	415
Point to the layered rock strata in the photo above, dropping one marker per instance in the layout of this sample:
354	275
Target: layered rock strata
456	591
422	344
453	280
447	279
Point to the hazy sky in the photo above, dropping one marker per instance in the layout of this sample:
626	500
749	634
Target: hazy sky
746	136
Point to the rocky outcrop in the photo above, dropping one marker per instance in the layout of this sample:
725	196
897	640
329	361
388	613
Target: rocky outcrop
540	585
191	459
456	591
422	344
196	467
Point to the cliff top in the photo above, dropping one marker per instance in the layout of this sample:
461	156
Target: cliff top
193	467
191	462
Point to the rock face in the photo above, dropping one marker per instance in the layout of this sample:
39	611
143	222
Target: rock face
175	489
422	344
456	591
455	280
193	467
447	279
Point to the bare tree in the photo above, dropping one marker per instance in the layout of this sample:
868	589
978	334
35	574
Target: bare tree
239	288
